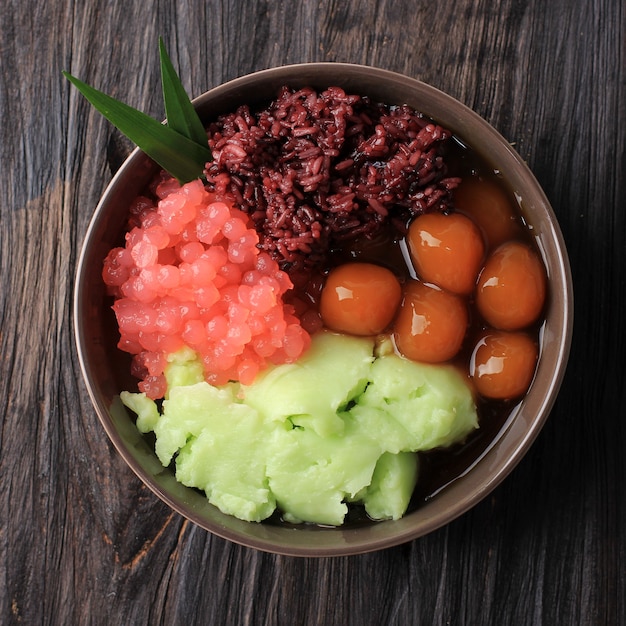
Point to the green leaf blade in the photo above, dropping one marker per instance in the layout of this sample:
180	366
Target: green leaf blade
180	156
180	112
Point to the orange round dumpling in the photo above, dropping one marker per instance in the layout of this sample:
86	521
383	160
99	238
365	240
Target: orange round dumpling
360	298
503	363
486	203
431	324
446	250
512	287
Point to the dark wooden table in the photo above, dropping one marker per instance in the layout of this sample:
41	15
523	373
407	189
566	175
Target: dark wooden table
83	542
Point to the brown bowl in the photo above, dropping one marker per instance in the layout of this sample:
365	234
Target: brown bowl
104	366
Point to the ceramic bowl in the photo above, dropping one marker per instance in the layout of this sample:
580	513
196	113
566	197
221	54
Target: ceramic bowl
104	367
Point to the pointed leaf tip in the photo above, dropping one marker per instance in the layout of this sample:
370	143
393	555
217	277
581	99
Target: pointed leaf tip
182	157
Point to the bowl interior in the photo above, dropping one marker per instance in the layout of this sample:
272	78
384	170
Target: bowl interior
104	367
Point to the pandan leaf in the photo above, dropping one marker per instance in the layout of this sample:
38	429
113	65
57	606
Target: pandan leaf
182	157
181	116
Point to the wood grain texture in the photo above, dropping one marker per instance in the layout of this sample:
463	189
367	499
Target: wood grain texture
83	542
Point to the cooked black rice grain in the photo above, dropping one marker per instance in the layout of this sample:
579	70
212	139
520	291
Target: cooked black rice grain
314	170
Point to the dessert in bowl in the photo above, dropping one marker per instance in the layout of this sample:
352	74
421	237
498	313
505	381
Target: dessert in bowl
449	473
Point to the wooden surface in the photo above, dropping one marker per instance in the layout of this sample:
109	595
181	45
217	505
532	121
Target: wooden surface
82	542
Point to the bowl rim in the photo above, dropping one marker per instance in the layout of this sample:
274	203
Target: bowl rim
356	541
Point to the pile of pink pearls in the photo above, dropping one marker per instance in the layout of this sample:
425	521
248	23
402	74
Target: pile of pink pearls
191	275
